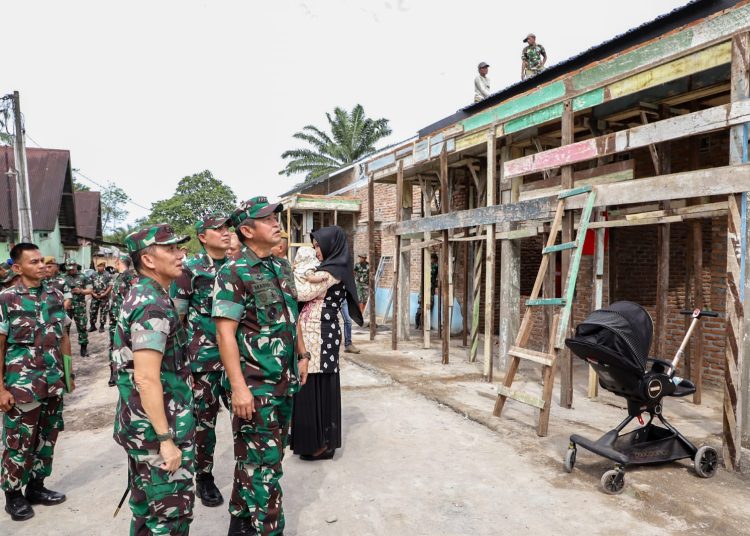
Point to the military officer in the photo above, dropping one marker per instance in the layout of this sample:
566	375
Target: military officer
255	309
193	297
56	280
154	418
120	288
80	287
362	279
32	343
101	283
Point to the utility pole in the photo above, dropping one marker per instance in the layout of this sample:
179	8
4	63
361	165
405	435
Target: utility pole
22	183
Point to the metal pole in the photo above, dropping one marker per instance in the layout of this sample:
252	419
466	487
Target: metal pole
26	230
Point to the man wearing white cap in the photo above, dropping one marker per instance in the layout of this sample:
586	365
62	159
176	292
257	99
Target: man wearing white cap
482	83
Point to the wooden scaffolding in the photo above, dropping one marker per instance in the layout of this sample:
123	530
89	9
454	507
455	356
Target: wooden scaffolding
513	157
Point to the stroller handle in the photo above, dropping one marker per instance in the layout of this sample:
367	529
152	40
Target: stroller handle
700	313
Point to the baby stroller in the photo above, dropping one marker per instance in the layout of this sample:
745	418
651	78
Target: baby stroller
615	342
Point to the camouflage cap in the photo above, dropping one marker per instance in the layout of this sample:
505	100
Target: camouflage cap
160	234
257	207
212	221
70	263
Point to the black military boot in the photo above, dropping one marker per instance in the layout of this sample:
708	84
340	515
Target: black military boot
101	328
240	526
17	506
207	490
84	350
36	493
92	328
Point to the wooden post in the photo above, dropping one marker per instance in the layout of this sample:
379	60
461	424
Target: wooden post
489	288
397	258
480	181
465	262
427	295
736	434
371	248
598	270
697	271
289	232
662	259
405	265
444	261
510	271
566	358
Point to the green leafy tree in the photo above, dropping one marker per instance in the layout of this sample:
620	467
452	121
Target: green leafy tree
196	196
113	200
352	136
78	186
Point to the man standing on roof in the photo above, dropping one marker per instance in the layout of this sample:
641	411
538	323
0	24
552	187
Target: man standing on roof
482	83
533	57
192	294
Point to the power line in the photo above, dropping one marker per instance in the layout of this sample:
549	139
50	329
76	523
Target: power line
89	179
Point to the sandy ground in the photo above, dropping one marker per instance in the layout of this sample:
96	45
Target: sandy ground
417	460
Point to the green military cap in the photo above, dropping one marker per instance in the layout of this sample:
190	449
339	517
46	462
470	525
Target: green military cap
257	207
70	263
212	221
160	234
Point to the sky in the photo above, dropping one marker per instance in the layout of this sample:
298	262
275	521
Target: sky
144	93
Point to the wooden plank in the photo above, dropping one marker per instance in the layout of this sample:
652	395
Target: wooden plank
692	209
427	295
567	138
559	247
371	250
445	206
574	191
545	301
548	382
510	273
531	355
489	269
520	396
697	262
416	246
595	181
578	176
701	122
698	183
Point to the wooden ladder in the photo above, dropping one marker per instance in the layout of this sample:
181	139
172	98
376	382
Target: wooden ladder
560	324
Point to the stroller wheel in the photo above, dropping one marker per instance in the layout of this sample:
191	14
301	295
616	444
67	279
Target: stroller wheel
613	481
570	459
706	461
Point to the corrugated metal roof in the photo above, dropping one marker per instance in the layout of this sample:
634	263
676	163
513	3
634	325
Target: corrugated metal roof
681	16
51	191
88	215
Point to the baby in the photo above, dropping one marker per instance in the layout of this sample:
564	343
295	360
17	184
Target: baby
305	267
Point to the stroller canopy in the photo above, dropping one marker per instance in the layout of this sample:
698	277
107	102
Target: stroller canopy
624	329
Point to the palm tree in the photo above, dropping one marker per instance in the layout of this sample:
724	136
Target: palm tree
353	136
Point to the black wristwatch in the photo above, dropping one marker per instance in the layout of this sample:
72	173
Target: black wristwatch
165	437
305	355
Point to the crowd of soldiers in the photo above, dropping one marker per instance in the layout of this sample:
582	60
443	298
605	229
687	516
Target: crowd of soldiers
533	59
186	336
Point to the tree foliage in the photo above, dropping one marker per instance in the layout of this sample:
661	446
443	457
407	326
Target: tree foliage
113	200
78	186
195	197
352	136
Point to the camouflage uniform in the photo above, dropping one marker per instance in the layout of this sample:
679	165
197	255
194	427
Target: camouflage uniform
78	308
60	284
259	294
120	288
193	297
33	321
362	279
532	57
98	308
161	502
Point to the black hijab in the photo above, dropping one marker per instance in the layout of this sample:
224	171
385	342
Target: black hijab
336	261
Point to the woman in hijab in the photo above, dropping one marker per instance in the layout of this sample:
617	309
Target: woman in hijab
316	420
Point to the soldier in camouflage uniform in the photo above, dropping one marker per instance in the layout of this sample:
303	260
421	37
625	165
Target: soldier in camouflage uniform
7	275
57	281
255	308
533	57
120	288
362	279
192	293
154	421
32	343
101	283
80	287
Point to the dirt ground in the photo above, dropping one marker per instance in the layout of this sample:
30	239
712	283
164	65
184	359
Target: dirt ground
422	455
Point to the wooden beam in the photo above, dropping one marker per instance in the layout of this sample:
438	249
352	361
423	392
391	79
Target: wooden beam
699	183
566	357
427	295
444	252
371	250
510	276
397	259
489	270
701	122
